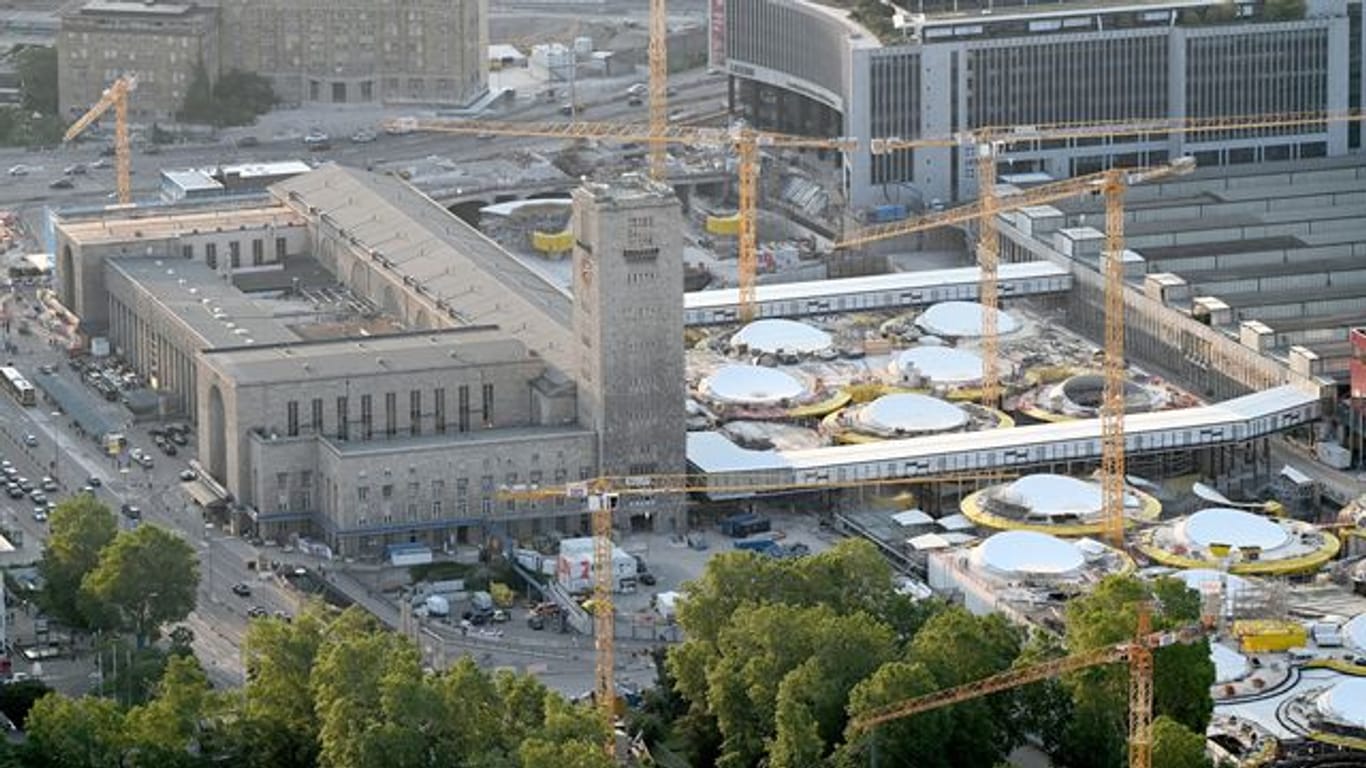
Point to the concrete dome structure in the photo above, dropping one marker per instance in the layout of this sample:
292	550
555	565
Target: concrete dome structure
1354	632
1028	556
752	385
938	365
909	414
774	336
1225	527
1054	504
961	320
1240	542
1344	704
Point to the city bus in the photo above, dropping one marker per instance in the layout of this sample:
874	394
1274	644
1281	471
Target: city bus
19	387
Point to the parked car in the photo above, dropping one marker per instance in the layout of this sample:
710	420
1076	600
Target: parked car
257	612
14	491
241	589
132	512
363	136
18	170
168	448
317	140
31	440
186	475
40	514
48	484
92	481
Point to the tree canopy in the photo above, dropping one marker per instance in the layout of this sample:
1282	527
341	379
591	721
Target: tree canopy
149	576
237	98
78	531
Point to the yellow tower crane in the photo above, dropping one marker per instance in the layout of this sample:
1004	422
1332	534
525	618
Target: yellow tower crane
659	88
990	142
746	143
1111	184
1138	652
601	496
116	96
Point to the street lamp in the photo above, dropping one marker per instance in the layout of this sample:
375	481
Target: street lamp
57	445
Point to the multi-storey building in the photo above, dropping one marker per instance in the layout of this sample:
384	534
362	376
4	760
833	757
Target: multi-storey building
160	42
367	51
497	376
800	67
353	51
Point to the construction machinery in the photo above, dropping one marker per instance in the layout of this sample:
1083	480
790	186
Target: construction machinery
116	96
1111	184
601	497
1138	652
988	143
746	142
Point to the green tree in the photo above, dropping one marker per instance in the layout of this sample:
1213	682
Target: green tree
1284	10
279	724
169	730
78	530
922	740
571	737
150	575
1183	674
1176	746
17	699
37	68
76	733
956	647
239	97
198	106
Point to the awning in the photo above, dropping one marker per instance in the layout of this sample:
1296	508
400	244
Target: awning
202	494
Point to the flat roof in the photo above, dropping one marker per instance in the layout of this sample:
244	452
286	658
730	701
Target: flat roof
213	308
265	169
132	225
441	260
191	179
368	356
899	281
74	402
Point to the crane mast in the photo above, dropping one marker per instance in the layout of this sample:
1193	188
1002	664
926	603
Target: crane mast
659	88
115	96
988	254
1112	405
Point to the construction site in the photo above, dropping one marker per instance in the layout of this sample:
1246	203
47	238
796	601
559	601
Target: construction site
1041	404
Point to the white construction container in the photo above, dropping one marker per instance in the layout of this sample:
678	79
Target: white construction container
574	567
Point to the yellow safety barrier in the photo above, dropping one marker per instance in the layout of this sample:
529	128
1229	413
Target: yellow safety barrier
724	225
552	242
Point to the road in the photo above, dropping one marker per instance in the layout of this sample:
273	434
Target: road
280	138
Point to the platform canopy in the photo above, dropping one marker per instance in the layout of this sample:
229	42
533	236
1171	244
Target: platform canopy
962	319
752	385
773	336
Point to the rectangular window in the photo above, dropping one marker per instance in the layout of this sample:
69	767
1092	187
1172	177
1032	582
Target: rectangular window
488	405
486	484
438	488
390	414
235	254
386	491
211	255
464	397
363	493
258	252
414	487
187	251
439	410
342	416
292	418
415	411
280	247
282	480
366	419
318	415
436	508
